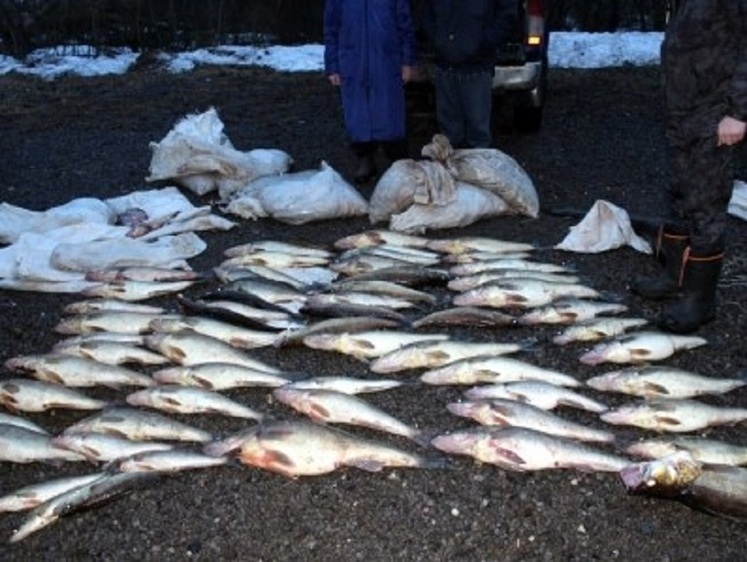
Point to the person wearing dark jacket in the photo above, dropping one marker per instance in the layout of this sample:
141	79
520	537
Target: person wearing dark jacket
369	53
704	61
465	35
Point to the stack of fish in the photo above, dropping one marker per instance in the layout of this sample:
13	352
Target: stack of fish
378	298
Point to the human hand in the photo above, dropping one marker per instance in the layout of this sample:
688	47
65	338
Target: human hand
409	73
731	131
334	79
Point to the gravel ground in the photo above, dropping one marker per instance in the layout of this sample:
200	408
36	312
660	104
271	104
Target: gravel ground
602	139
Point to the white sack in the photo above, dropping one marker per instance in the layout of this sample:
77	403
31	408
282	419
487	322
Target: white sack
410	181
471	204
605	227
738	203
168	251
159	204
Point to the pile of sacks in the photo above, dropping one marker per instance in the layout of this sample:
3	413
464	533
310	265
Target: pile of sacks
451	188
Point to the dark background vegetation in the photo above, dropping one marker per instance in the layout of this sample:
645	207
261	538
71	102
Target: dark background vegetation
26	25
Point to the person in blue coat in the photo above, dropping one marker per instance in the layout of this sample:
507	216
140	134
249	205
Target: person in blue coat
369	53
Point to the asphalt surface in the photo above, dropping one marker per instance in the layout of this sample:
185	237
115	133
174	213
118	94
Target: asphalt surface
602	139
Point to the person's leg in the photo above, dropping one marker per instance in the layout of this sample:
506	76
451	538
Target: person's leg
449	109
477	101
366	168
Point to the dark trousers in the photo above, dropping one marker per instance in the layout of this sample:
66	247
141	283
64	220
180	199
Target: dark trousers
700	192
463	105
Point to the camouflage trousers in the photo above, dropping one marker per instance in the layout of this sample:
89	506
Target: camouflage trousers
699	194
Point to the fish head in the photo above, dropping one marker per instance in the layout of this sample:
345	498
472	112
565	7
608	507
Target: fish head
605	382
457	443
667	476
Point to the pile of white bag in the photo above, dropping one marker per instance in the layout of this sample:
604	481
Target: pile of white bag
197	155
451	188
52	250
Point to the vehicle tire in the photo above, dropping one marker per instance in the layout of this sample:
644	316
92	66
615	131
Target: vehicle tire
527	119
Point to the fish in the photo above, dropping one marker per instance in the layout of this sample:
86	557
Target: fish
138	425
367	345
356	264
118	321
97	491
390	251
127	290
330	406
144	273
640	347
277	246
597	329
475	256
379	237
522	292
21	445
26	395
430	354
300	448
348	385
191	348
568	311
466	316
177	399
410	275
75	371
537	393
334	326
220	376
507	263
99	447
502	412
236	336
476	243
704	450
387	288
673	415
275	259
362	299
494	370
8	419
719	490
34	495
102	305
256	300
654	381
111	352
316	306
467	282
267	289
173	460
521	449
241	314
227	275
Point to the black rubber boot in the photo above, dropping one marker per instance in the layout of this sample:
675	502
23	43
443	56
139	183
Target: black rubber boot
366	168
670	249
697	303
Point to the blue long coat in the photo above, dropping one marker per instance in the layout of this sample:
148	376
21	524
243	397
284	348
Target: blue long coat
367	42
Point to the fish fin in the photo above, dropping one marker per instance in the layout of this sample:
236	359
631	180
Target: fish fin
172	401
639	353
437	355
508	455
318	413
653	388
668	421
54	377
203	382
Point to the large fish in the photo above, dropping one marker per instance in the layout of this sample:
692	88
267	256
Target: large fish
71	370
652	381
494	370
34	495
21	445
475	256
335	326
502	412
101	305
267	289
717	489
87	495
98	447
522	293
467	282
704	450
476	243
127	290
673	415
473	316
111	352
386	288
319	305
139	425
119	321
400	253
9	419
330	406
178	399
144	273
275	259
509	263
220	376
231	334
597	329
173	460
359	263
228	274
28	395
380	237
277	246
640	347
521	449
568	311
190	348
297	448
367	345
240	314
348	385
537	393
431	354
410	275
363	299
